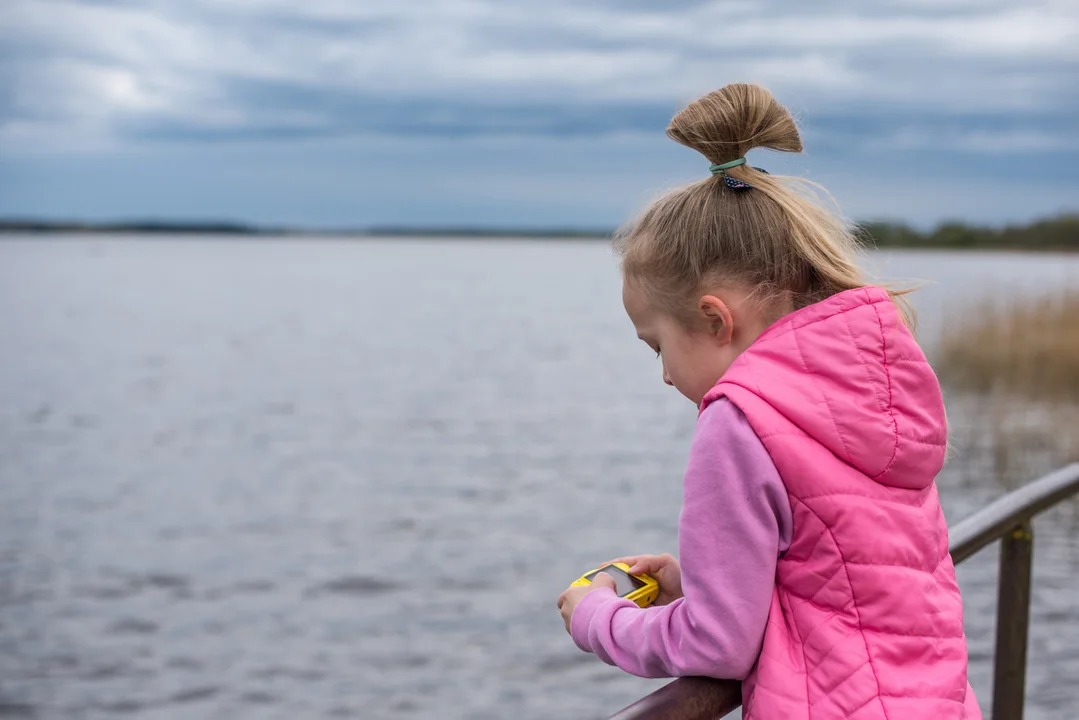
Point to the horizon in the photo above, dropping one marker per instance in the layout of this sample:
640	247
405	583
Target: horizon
478	114
210	226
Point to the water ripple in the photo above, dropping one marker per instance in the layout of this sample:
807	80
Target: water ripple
354	585
254	480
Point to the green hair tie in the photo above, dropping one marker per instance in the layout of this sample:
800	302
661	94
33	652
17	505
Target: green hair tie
722	169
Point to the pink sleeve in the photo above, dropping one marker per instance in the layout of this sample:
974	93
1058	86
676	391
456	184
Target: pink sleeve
735	521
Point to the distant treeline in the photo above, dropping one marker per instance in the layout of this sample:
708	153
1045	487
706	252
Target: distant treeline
135	226
153	227
1059	233
487	232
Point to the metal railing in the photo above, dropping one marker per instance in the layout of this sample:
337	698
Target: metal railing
1007	519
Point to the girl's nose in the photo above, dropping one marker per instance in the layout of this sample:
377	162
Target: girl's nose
666	377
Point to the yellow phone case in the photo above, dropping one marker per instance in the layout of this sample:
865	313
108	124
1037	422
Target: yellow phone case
643	596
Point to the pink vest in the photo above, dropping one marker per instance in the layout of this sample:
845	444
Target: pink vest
866	619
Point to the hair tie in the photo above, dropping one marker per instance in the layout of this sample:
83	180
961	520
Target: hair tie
721	169
732	183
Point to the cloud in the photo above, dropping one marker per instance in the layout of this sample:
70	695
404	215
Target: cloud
475	111
102	73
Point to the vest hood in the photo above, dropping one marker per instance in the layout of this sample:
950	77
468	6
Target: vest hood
847	373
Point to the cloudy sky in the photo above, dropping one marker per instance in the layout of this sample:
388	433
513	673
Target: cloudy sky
331	113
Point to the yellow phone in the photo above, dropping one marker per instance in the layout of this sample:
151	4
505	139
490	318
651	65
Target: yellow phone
641	589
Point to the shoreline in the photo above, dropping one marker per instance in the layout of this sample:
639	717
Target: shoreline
1056	234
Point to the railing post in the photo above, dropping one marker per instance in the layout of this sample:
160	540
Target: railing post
1013	620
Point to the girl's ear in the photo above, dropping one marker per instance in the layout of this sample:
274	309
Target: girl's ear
718	317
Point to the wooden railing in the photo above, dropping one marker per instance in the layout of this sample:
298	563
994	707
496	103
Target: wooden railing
1007	519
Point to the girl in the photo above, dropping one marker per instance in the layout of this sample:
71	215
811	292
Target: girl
813	551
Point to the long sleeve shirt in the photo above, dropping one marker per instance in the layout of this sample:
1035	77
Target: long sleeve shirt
734	524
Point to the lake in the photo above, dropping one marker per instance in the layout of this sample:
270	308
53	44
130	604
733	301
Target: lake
281	478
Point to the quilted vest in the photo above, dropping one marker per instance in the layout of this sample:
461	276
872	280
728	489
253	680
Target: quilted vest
866	620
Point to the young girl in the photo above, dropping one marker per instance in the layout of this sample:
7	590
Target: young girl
813	551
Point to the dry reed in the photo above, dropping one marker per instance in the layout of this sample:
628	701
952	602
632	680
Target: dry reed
1027	347
1011	368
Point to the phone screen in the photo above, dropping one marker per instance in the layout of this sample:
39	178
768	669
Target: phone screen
624	582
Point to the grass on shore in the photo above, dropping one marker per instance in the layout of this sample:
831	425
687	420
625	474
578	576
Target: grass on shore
1012	366
1027	347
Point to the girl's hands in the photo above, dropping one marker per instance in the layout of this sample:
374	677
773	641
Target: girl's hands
664	568
568	600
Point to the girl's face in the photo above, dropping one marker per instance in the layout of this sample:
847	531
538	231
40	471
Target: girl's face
695	357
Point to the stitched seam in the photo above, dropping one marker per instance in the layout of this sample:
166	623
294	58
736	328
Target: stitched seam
806	498
909	438
792	327
908	697
822	606
819	625
891	397
905	566
778	690
824	397
722	392
805	664
857	616
865	365
854	710
861	628
803	434
809	552
828	654
751	371
824	585
843	679
869	375
923	636
789	433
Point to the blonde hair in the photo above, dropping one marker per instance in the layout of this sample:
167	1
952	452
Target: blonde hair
772	238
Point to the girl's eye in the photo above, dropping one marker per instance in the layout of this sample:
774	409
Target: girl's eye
657	353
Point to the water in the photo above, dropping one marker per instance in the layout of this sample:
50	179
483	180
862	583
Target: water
279	479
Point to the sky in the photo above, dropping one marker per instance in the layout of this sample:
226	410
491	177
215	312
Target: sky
505	113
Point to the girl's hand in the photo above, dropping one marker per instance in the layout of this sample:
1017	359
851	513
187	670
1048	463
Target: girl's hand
664	568
568	600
